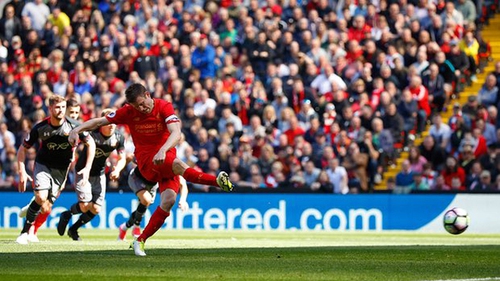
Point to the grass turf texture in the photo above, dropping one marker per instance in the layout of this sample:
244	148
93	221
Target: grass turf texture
251	255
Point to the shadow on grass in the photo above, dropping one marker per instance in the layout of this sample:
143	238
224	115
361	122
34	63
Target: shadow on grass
299	263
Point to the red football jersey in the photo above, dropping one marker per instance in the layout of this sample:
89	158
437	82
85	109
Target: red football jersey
149	131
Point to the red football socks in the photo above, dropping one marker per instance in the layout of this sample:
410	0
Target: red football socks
155	223
192	175
39	221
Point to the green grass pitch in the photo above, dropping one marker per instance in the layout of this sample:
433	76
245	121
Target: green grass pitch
253	255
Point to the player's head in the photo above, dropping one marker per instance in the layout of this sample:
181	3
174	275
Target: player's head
57	107
139	98
109	129
73	109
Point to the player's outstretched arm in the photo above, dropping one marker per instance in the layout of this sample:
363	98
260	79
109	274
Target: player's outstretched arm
120	164
183	204
90	125
23	176
85	172
175	136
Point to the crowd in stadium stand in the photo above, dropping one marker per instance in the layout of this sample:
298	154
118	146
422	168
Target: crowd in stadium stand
315	95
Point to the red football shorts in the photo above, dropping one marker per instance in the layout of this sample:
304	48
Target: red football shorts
162	174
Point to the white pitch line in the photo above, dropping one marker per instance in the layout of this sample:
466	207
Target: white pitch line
469	279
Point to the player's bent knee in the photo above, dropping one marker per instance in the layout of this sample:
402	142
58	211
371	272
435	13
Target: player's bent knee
178	167
145	198
146	202
46	207
84	206
167	203
41	197
96	209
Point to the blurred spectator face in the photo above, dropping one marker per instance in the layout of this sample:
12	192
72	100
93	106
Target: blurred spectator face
377	125
469	37
16	42
434	70
203	155
213	164
450	7
298	85
359	22
451	162
492	112
407	97
82	78
353	149
491	81
428	142
405	166
309	167
32	37
9	12
26	23
203	42
394	10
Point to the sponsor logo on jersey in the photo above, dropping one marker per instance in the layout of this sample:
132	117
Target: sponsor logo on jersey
100	153
55	146
111	114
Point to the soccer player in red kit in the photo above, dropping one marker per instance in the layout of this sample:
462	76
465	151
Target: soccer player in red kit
155	130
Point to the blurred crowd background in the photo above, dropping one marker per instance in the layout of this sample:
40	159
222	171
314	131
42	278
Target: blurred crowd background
307	96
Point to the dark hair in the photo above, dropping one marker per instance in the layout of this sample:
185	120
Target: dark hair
72	103
134	91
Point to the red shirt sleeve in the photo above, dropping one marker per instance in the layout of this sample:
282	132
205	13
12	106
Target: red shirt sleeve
167	110
120	116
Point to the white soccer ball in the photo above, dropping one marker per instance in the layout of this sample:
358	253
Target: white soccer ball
456	220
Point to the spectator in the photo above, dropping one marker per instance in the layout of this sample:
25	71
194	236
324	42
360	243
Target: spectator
487	130
145	63
434	153
484	183
311	173
453	174
435	84
440	132
394	122
421	95
10	25
323	184
407	108
440	184
59	19
205	102
418	183
203	58
404	179
356	163
488	95
228	117
468	11
337	175
38	13
417	161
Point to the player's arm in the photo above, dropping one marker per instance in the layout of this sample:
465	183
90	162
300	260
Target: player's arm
174	127
120	164
183	204
23	175
90	143
21	159
90	125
